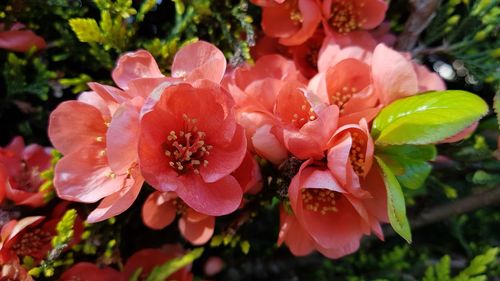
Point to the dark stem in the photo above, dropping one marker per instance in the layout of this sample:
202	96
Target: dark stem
461	206
423	11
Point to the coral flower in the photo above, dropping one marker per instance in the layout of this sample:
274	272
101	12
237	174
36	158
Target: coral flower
306	129
160	210
331	219
190	143
293	21
344	16
147	259
88	172
31	236
12	270
18	39
20	169
255	89
85	271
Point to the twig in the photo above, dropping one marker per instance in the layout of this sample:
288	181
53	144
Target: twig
421	16
461	206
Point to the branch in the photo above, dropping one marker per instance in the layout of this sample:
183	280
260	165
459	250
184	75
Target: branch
421	16
461	206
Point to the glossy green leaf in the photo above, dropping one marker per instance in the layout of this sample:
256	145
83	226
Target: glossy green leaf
396	207
408	162
161	272
427	118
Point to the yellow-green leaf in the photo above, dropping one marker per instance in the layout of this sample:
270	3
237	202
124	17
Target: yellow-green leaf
396	207
427	118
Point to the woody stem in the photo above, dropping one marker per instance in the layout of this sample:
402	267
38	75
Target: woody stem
423	11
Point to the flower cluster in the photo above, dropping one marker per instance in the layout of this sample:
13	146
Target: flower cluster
194	141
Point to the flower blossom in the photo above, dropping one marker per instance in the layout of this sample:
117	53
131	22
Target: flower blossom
20	172
18	39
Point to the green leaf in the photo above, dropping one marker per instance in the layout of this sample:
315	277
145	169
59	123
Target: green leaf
396	207
86	30
408	162
496	106
161	272
478	265
427	118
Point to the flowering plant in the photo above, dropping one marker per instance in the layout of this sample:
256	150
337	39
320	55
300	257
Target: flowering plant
327	125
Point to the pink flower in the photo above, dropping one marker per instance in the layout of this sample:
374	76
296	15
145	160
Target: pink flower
20	169
91	170
255	89
160	210
306	129
190	143
344	16
13	270
31	236
85	271
147	259
327	216
305	55
293	21
18	40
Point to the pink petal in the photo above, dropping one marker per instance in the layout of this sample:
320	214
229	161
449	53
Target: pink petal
197	232
215	199
159	210
311	18
372	13
199	60
123	136
133	65
248	174
85	176
267	145
119	201
223	160
393	75
20	40
462	134
74	125
296	238
109	94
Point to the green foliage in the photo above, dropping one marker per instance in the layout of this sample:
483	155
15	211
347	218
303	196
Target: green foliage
427	118
396	207
28	75
86	30
408	162
60	241
474	272
467	31
47	188
162	272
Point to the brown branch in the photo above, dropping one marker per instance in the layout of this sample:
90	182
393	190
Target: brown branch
421	16
461	206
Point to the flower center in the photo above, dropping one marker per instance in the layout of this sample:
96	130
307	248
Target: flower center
186	149
344	17
357	155
340	98
28	179
320	201
31	242
295	14
303	115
